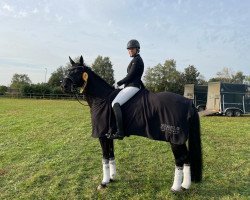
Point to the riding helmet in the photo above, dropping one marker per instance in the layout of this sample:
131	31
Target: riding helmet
133	44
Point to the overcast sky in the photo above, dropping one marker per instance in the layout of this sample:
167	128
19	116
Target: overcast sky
210	35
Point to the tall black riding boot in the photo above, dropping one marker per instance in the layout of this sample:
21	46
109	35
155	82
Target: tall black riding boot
119	123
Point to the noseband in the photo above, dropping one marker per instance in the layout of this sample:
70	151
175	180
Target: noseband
71	79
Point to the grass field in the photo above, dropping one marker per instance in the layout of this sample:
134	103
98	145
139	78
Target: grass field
47	152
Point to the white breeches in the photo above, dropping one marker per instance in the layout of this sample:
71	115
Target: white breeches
124	95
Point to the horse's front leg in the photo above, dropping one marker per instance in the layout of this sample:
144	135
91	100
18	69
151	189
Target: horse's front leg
182	177
108	161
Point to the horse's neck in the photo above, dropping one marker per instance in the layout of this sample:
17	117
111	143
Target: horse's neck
89	100
97	88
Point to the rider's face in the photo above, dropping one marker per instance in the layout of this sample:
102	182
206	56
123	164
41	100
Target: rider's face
132	52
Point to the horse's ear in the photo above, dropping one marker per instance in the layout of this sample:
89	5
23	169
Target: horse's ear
81	60
71	61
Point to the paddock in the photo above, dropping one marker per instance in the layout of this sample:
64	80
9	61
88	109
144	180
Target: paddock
48	153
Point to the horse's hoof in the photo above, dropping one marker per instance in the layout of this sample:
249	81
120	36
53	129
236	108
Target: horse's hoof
101	186
184	189
176	191
112	180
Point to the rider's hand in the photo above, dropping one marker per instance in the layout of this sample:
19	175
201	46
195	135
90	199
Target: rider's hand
116	86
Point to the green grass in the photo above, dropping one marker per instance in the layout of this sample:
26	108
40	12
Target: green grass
47	152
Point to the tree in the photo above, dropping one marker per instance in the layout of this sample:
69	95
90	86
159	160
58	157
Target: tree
3	89
164	78
190	75
36	89
228	76
150	78
201	80
56	90
238	77
103	67
247	80
57	76
18	80
225	75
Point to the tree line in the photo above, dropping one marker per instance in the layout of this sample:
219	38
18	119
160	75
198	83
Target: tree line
162	77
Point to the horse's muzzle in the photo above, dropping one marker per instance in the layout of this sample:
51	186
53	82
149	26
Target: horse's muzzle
67	86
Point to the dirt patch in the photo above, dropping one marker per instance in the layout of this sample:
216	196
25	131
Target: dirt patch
2	172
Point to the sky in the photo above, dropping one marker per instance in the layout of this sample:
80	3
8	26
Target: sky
39	36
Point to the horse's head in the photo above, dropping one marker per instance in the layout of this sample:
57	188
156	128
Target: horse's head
76	76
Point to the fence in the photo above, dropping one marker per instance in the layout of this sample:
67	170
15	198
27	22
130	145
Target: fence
40	96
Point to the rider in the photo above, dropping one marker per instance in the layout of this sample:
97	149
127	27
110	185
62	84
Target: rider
132	84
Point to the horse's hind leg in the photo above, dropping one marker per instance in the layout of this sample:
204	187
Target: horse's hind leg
112	164
108	161
182	178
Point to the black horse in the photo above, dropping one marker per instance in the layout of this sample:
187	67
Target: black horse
161	116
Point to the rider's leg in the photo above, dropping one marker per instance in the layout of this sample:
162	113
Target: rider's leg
119	123
123	96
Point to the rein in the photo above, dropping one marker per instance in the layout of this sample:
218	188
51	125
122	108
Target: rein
85	78
77	97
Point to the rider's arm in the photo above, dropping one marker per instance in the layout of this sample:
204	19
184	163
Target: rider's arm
134	71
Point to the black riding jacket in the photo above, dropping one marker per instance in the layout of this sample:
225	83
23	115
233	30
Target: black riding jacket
135	70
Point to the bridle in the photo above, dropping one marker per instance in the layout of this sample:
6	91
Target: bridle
74	88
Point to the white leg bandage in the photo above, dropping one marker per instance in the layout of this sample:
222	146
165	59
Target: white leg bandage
106	172
186	177
178	174
112	167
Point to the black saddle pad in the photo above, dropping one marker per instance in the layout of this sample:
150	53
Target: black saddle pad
159	116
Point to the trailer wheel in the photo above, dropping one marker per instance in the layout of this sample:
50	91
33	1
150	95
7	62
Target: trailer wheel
237	113
229	113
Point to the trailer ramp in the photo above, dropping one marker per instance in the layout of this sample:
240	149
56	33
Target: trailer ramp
207	112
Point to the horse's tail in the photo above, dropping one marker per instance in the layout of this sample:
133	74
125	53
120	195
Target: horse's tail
195	148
